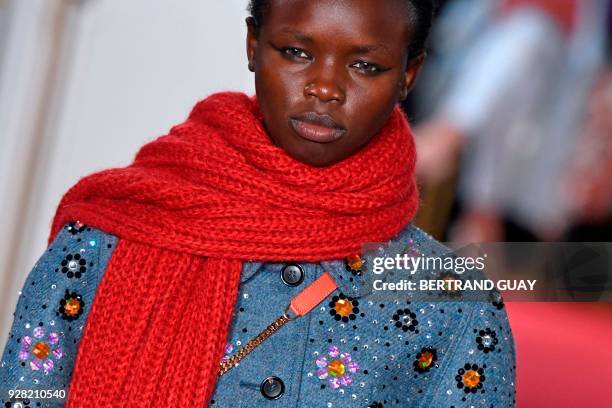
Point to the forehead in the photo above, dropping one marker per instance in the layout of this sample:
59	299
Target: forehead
355	21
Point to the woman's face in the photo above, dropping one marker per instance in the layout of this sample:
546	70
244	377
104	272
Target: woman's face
328	73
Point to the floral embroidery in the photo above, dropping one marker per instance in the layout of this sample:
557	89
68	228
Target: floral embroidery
411	249
406	320
470	378
74	265
71	306
425	359
76	227
336	368
450	286
21	403
39	350
344	308
496	299
487	340
354	264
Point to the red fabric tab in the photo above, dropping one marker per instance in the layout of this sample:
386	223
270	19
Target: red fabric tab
314	294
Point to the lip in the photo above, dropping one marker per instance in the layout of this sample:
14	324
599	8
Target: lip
316	128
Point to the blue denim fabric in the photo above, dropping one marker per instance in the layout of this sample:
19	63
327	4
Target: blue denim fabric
386	373
39	307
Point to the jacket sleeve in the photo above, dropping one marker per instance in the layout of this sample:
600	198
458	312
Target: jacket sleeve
50	316
479	367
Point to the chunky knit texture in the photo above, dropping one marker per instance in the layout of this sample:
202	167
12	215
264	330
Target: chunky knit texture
189	210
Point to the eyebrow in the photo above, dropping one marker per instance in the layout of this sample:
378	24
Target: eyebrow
365	49
296	34
359	49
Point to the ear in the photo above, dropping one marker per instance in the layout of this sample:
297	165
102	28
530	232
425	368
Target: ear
251	42
413	70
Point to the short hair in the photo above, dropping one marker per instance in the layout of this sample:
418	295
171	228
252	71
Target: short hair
421	16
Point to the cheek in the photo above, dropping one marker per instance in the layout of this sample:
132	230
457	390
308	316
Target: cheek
276	94
369	105
278	79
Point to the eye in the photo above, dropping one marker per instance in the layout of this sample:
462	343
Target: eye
368	67
295	53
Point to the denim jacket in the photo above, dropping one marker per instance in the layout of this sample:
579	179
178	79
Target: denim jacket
350	351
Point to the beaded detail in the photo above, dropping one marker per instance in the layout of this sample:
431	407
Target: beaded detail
40	350
336	367
344	308
71	306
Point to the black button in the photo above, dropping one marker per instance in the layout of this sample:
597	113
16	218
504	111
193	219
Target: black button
272	388
292	274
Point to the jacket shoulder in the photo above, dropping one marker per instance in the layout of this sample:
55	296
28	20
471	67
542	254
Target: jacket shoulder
52	310
461	350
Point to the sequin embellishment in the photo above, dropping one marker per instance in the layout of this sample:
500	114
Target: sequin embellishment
71	306
76	227
336	368
227	352
406	320
451	283
344	308
425	359
74	265
354	264
39	349
496	299
486	340
470	378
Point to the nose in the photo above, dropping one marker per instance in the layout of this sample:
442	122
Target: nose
325	84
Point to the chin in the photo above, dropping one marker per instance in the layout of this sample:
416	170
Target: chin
313	161
316	156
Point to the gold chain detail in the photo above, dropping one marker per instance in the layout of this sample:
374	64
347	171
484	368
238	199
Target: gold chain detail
230	363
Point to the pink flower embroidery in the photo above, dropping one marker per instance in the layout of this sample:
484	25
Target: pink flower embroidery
336	368
40	350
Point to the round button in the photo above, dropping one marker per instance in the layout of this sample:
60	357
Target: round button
292	274
272	388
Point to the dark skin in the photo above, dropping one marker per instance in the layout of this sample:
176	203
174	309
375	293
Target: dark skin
344	58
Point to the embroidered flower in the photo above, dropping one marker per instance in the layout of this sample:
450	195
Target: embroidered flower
496	299
39	349
74	265
71	306
452	282
336	368
354	264
76	227
470	378
487	340
425	359
406	320
344	308
17	403
411	249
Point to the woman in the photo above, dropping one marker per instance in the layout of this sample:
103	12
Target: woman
158	272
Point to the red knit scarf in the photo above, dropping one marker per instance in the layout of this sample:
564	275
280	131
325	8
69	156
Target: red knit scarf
191	207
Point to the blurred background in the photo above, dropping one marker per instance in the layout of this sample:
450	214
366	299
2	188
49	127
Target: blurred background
513	123
512	116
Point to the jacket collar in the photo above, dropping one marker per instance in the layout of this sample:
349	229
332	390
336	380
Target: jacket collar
249	268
